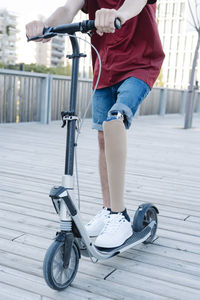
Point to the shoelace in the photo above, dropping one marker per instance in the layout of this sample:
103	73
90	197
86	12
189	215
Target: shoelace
112	223
100	213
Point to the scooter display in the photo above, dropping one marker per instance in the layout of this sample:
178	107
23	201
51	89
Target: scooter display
62	257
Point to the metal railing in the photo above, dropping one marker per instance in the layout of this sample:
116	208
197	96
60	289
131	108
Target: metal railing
28	97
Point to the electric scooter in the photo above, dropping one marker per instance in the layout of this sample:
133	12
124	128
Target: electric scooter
62	257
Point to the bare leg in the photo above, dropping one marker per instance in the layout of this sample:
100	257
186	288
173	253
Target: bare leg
103	171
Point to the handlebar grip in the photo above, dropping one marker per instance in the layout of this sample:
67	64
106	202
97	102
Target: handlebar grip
45	30
88	25
117	24
48	32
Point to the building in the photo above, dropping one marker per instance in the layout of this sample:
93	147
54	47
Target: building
85	63
179	43
54	53
57	50
50	54
8	37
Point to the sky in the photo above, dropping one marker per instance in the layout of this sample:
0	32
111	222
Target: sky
28	11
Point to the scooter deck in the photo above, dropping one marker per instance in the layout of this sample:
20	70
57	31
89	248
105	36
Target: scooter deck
133	240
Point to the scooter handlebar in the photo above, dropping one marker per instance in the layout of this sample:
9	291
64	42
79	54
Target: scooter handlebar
84	27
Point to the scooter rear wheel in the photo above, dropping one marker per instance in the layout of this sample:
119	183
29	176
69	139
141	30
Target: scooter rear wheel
56	275
143	217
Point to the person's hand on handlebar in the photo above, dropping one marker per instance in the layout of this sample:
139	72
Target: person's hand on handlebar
36	28
104	20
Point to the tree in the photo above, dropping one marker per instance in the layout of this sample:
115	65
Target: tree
8	29
194	8
58	70
160	81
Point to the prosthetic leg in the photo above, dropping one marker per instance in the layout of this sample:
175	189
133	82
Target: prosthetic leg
115	151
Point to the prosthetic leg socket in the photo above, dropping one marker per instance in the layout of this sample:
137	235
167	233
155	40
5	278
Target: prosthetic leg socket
115	151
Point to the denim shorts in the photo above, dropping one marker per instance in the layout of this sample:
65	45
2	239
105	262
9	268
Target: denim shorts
124	97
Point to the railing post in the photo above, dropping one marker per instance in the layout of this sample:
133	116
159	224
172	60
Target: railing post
183	102
50	81
198	103
44	100
163	101
9	112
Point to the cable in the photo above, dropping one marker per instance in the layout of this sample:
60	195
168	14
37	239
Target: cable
77	179
98	78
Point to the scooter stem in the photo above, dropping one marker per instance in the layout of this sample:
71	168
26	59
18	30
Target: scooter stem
70	142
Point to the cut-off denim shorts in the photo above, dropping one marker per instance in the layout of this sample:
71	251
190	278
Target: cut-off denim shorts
124	97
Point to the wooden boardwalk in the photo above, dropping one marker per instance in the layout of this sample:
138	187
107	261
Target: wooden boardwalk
163	167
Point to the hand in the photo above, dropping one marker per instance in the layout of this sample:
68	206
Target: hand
104	20
35	28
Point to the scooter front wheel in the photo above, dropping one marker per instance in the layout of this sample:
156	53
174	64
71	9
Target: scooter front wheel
56	275
145	214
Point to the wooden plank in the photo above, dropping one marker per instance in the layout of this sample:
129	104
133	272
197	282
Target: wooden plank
155	272
9	234
36	241
23	227
178	245
8	292
32	203
39	288
114	290
188	239
167	252
29	212
26	251
170	263
30	220
193	219
157	286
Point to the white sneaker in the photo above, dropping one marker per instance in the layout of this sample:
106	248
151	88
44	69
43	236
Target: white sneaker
115	232
95	226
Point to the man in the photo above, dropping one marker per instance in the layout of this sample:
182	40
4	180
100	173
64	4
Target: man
131	62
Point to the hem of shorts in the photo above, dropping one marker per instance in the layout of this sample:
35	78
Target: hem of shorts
97	127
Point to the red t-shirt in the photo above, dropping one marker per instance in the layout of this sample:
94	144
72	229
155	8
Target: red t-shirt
134	50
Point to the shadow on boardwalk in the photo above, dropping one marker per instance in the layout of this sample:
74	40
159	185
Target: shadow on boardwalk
163	167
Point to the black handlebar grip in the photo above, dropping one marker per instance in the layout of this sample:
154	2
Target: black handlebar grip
90	25
45	30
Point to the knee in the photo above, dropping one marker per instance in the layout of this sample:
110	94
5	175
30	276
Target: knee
101	141
122	112
115	114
